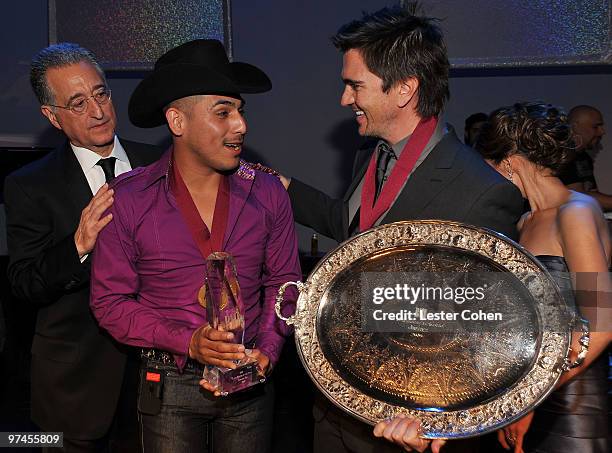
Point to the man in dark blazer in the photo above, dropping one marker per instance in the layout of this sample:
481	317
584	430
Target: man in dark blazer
52	225
395	71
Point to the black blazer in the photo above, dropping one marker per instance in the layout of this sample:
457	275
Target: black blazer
452	183
77	369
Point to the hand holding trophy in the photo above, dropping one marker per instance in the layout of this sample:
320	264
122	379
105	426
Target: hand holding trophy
229	367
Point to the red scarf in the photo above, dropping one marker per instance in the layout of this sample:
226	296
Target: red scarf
208	242
371	211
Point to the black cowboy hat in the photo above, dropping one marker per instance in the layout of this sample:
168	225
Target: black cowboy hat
196	67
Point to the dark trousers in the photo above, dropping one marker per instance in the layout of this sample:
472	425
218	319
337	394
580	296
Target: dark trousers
123	435
336	431
241	422
294	395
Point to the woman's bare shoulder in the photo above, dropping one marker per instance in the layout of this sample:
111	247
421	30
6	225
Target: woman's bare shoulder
581	207
584	234
581	217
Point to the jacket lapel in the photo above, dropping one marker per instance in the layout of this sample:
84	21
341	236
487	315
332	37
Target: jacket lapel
362	159
78	190
435	173
134	157
240	184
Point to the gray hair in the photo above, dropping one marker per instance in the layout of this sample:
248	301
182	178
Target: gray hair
57	56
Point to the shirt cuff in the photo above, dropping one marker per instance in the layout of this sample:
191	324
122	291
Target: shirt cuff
174	337
271	344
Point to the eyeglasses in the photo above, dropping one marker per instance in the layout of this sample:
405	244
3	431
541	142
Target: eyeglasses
79	105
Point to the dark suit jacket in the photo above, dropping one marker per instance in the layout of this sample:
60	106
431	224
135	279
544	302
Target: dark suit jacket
77	369
452	183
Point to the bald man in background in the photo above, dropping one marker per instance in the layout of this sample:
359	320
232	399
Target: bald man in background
588	126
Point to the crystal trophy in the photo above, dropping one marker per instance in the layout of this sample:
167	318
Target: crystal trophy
220	295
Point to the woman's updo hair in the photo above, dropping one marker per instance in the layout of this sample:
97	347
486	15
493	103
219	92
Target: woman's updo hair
539	132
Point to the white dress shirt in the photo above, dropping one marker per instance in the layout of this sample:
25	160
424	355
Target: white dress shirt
94	173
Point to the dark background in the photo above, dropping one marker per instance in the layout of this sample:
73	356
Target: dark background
299	127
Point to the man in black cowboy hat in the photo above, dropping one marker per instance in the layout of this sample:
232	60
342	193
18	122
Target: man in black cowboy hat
167	218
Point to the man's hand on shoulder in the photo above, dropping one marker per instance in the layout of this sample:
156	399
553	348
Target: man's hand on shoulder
92	222
283	179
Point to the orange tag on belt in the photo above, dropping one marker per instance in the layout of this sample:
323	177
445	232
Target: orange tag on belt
153	377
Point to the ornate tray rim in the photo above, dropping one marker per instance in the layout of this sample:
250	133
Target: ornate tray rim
521	398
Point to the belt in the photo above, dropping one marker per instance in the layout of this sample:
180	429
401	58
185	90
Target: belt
156	355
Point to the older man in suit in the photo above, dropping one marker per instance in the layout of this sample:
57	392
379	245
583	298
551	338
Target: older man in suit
53	223
395	71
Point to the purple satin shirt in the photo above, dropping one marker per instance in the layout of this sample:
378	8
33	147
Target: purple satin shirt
147	269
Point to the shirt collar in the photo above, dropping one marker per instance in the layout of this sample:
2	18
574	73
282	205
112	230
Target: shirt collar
163	169
88	159
160	169
399	147
441	129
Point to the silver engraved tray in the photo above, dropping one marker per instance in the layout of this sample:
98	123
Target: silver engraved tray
460	379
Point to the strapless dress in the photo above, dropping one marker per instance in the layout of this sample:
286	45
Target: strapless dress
575	417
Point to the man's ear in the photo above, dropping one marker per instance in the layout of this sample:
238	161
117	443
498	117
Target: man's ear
575	135
176	121
50	114
407	91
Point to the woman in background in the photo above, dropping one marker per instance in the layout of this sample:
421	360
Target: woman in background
529	143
